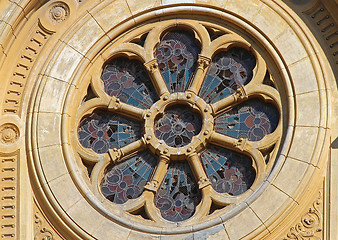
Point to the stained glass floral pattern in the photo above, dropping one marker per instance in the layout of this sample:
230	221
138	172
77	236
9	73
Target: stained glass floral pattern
228	71
178	125
127	80
178	195
229	172
176	57
102	131
173	132
126	180
252	120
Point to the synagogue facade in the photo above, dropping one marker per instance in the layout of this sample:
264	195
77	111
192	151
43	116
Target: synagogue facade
167	119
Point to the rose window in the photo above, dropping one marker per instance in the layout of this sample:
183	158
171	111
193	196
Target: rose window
179	123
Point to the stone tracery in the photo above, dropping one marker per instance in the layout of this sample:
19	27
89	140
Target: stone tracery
43	167
207	153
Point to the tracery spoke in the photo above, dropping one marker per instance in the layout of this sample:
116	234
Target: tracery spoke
151	65
159	174
241	146
198	171
226	141
202	66
204	185
156	77
224	103
242	94
127	110
117	154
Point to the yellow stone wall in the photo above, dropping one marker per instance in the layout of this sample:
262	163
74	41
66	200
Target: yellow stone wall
48	50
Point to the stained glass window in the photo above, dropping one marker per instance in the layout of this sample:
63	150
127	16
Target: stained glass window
177	57
228	71
252	120
126	180
178	194
228	171
178	125
128	80
102	131
166	146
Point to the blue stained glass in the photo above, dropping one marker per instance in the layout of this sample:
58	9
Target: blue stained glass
102	131
252	120
227	72
229	172
127	80
178	195
126	180
176	56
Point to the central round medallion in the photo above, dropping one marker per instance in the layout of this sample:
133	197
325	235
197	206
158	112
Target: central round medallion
177	126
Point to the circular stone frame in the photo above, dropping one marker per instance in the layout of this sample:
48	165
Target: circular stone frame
180	98
297	165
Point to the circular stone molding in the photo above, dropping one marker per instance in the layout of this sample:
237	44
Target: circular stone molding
59	12
159	109
188	155
68	183
9	133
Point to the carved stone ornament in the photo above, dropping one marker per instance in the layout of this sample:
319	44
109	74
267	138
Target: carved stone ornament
8	133
42	232
203	62
310	225
59	12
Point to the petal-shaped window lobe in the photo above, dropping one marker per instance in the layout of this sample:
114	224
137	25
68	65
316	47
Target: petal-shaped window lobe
126	180
229	172
252	120
178	194
227	72
177	56
103	130
178	125
128	80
